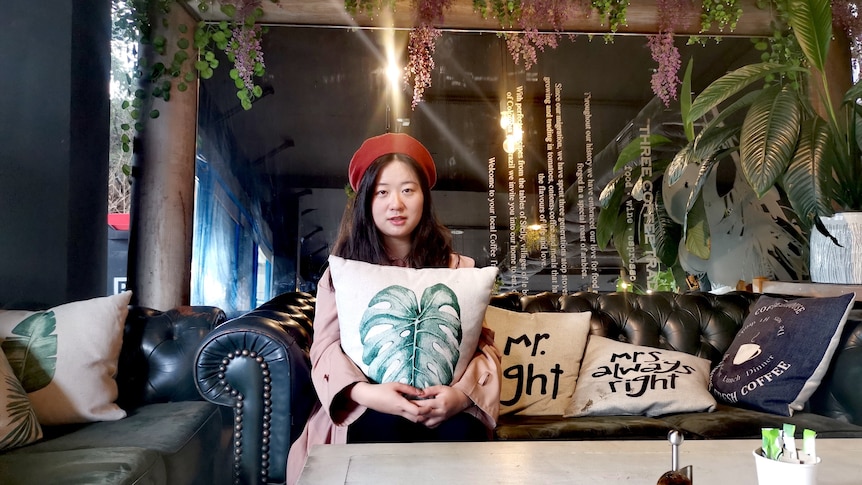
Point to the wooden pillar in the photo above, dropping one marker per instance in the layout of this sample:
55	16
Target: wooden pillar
838	70
160	242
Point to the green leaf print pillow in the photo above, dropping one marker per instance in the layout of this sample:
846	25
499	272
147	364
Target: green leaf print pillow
417	326
66	357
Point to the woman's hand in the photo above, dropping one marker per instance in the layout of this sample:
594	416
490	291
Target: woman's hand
389	398
441	403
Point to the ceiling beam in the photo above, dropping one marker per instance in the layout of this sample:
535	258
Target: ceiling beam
641	16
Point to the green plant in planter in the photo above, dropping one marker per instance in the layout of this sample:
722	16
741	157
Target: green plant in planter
784	143
709	223
787	165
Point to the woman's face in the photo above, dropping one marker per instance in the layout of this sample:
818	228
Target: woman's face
396	205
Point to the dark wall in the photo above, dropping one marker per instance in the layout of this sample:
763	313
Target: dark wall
54	112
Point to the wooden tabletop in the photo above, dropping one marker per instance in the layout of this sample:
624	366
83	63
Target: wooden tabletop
715	462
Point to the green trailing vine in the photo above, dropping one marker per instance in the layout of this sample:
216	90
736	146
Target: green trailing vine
612	12
182	62
723	13
782	47
369	7
507	12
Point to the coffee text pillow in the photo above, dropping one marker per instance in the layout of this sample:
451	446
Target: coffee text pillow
618	378
781	353
417	326
66	357
542	355
18	423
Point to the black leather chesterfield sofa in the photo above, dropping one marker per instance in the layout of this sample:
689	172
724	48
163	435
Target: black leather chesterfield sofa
258	365
171	436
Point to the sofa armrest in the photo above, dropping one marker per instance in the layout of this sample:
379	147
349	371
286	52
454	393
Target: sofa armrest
155	363
258	365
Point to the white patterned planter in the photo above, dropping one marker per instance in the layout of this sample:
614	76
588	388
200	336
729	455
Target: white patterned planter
834	264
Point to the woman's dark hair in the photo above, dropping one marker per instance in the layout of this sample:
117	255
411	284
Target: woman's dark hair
359	239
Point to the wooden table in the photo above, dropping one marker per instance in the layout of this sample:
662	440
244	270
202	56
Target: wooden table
715	462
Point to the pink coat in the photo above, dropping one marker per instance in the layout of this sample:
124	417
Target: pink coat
332	371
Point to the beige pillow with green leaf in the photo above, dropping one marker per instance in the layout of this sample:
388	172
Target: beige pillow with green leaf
66	357
417	326
18	423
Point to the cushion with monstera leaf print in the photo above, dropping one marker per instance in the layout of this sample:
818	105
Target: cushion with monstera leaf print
66	357
416	326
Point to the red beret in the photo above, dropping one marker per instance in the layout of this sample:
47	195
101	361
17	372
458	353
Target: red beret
375	147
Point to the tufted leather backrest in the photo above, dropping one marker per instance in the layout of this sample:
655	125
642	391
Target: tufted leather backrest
157	355
701	324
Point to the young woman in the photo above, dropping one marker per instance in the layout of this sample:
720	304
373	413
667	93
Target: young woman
390	221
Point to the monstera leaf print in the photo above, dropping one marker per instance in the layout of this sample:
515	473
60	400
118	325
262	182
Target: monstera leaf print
23	425
32	350
412	342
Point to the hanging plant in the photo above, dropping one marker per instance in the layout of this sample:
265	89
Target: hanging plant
239	37
533	14
420	51
672	15
612	12
665	79
723	13
421	45
507	12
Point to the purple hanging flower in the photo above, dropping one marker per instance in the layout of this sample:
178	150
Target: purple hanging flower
665	80
244	49
420	50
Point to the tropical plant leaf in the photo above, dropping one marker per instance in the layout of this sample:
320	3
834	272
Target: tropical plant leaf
609	192
812	25
677	166
853	94
412	342
697	231
733	83
633	151
23	426
742	102
702	176
610	212
685	102
768	138
701	155
667	235
710	142
808	173
32	350
624	237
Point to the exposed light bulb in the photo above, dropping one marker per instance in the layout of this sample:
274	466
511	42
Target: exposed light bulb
509	144
393	72
518	132
505	120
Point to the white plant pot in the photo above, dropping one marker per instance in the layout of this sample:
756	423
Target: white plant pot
831	263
